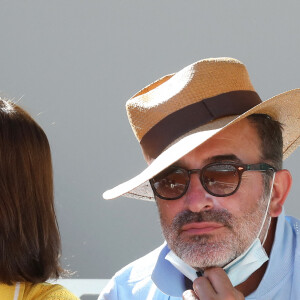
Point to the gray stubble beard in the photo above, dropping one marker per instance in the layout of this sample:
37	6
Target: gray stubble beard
206	251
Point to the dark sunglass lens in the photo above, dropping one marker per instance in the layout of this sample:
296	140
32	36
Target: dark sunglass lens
171	183
221	179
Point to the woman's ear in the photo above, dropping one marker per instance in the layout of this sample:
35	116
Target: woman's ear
281	188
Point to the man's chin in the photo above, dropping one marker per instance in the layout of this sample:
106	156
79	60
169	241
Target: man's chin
206	257
204	265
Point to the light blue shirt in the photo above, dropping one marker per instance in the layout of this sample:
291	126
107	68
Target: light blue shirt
153	277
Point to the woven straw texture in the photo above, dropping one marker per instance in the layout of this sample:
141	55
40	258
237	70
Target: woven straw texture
204	79
284	107
198	81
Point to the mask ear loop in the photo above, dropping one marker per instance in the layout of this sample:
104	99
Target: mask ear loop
266	212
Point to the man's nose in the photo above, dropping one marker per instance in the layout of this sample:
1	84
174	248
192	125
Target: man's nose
197	198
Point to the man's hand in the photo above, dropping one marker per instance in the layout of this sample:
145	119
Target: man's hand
214	284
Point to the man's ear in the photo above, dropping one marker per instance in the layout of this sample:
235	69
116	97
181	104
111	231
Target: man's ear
281	188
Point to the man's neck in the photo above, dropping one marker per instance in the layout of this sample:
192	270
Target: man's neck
252	283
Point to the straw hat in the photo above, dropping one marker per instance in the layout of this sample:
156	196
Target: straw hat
175	114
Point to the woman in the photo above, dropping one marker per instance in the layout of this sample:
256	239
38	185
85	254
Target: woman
29	237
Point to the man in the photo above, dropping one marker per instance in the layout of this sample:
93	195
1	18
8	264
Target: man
214	154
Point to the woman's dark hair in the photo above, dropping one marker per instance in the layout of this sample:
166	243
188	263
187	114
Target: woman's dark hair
29	237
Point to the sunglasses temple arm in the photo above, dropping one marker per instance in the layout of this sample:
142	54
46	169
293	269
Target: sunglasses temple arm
260	167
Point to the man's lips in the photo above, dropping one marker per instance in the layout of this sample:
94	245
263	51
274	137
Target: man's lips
198	228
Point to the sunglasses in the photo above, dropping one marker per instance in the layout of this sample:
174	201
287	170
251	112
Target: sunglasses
218	179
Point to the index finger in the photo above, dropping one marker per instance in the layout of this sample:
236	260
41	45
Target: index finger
219	280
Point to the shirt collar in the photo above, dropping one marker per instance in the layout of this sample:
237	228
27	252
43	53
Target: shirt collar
166	277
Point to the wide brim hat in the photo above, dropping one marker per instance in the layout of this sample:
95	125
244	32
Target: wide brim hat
179	112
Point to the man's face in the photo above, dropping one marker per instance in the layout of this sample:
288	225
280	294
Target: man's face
207	231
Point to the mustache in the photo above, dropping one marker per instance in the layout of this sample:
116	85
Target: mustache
218	216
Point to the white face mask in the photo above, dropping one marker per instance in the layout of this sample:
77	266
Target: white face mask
243	266
240	268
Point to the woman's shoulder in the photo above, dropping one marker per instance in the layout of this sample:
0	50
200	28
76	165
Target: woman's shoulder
47	291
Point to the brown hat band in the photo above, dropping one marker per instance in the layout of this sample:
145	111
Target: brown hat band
192	116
